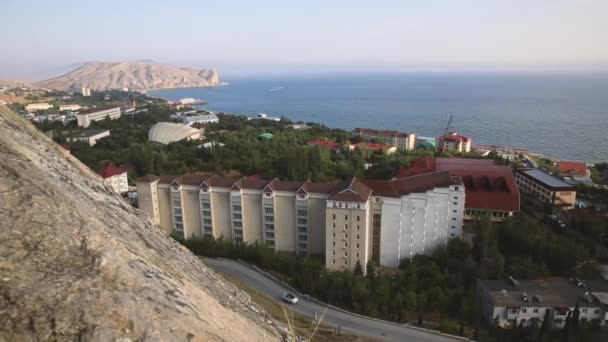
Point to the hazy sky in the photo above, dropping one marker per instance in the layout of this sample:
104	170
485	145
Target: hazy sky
247	36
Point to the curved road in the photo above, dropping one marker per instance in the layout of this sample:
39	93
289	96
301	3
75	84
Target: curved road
350	323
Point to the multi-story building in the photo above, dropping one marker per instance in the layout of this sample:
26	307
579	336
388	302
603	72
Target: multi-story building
524	302
490	189
66	107
115	178
90	136
546	188
351	222
32	107
85	117
190	120
454	142
404	141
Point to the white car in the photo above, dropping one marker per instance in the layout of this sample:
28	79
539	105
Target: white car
289	298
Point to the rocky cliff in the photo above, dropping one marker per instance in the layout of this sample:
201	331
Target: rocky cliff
132	75
77	263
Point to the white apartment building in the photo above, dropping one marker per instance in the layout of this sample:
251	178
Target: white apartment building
67	107
190	120
90	136
403	141
350	222
32	107
454	142
85	118
524	302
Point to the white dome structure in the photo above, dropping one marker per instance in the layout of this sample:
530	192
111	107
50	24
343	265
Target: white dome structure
168	132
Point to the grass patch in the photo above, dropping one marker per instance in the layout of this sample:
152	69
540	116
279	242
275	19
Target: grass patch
302	325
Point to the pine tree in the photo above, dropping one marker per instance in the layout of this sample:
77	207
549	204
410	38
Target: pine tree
358	271
370	270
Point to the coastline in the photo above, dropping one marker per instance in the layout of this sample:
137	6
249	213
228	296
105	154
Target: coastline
145	91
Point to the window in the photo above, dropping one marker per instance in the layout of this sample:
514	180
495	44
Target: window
334	243
345	253
345	236
269	226
357	245
455	203
523	310
345	263
333	261
333	252
178	211
358	217
268	210
237	223
357	255
455	197
302	221
596	311
237	216
456	188
454	211
346	217
453	219
236	208
205	190
358	206
177	203
512	311
303	245
333	225
268	194
346	245
207	221
302	212
176	188
358	227
333	216
584	310
453	227
345	227
333	234
452	235
206	205
302	229
535	310
269	235
207	213
302	196
268	218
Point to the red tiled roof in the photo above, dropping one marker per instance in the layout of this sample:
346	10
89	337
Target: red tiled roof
372	146
351	190
419	183
453	136
111	170
277	185
317	188
166	179
218	181
324	143
488	186
254	184
387	133
572	168
194	180
147	179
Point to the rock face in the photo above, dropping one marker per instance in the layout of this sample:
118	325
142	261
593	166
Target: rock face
78	263
132	75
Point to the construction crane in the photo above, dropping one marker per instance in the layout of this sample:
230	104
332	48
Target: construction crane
448	126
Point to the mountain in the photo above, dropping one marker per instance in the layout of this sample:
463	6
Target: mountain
133	75
13	84
77	263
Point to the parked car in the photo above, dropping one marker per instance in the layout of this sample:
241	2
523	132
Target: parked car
289	298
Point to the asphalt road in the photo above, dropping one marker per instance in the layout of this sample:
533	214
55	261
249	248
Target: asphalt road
348	323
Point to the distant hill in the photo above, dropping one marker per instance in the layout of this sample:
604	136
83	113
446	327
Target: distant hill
132	75
12	84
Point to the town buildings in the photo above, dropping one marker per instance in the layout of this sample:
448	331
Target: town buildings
168	132
404	141
85	91
524	302
69	107
191	119
354	221
90	136
388	149
575	170
32	107
490	189
115	178
546	189
85	117
454	142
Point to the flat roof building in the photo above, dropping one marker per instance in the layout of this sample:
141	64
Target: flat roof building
38	106
405	141
514	302
85	117
190	120
546	188
90	136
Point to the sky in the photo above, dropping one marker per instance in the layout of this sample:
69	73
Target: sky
39	39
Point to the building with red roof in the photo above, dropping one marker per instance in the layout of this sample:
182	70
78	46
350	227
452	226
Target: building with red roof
332	145
115	178
577	171
490	189
454	142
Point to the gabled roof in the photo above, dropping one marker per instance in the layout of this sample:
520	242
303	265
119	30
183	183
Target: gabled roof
147	179
166	179
194	180
351	190
317	188
218	181
111	170
572	168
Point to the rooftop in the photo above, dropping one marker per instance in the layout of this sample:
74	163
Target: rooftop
351	190
111	170
552	292
546	179
572	168
488	186
419	183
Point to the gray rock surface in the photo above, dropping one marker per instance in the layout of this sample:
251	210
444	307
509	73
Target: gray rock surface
132	75
78	264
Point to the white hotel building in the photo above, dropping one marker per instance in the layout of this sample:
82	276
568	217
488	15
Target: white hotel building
357	220
85	118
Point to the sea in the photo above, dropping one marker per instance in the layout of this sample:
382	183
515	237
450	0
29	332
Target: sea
561	116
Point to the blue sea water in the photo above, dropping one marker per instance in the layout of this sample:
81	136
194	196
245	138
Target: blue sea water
561	116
